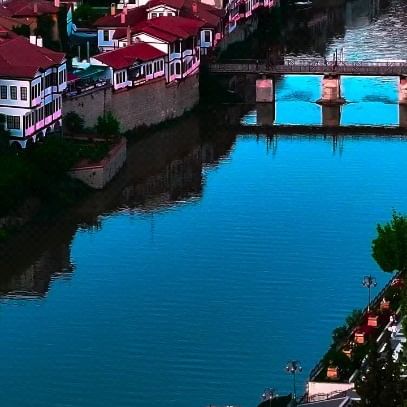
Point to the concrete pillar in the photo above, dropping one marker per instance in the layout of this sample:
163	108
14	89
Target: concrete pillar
403	115
264	90
403	90
331	115
266	114
331	90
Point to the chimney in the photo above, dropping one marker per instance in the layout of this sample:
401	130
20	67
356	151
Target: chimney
128	35
39	41
57	3
113	9
35	7
33	39
123	16
194	7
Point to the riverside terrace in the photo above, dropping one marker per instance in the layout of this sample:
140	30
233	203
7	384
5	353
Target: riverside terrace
335	374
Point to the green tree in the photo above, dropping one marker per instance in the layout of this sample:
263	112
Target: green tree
85	15
389	249
73	122
108	126
23	30
45	27
369	383
381	384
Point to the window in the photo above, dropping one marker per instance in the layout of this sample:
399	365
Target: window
171	69
13	92
160	14
120	77
3	92
207	35
23	93
178	68
161	65
106	35
13	122
153	15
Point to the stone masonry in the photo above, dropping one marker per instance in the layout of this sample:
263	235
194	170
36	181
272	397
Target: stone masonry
151	103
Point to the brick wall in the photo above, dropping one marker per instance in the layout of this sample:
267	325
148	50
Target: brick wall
148	104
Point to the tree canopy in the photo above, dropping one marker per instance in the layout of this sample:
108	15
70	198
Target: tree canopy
389	249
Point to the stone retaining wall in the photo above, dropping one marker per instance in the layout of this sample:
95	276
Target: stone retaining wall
97	175
151	103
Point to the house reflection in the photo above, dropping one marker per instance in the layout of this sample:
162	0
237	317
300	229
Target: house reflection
162	170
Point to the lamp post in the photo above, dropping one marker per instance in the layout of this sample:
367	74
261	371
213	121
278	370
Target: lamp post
268	394
369	282
294	366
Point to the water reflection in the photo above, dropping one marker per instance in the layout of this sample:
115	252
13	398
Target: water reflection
163	171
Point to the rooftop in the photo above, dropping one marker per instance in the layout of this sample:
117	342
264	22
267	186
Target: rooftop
27	8
134	16
28	60
166	28
127	56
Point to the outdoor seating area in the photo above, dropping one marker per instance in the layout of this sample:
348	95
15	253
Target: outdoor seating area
85	80
347	355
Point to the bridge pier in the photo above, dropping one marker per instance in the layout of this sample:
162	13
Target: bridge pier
403	89
331	115
331	90
266	114
403	115
264	90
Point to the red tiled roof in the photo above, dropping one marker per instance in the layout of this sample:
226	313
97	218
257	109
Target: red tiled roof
170	28
26	8
134	16
6	34
28	60
205	12
126	56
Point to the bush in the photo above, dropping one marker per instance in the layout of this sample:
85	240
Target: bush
107	125
73	122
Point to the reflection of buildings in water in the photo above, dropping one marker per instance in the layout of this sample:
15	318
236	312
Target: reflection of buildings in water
311	29
33	280
180	180
161	171
360	13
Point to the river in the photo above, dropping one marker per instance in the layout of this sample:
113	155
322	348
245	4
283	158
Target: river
214	257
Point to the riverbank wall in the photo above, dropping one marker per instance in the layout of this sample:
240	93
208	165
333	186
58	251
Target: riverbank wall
98	175
146	105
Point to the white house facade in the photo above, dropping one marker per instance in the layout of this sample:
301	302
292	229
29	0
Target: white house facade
31	86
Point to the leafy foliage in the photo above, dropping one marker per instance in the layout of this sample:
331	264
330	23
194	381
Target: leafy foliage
45	27
381	385
107	125
73	122
23	30
85	15
389	249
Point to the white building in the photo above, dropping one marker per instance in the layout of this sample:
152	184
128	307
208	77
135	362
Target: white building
177	37
133	65
32	80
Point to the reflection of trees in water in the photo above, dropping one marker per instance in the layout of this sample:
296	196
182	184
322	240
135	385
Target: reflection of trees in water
30	274
162	170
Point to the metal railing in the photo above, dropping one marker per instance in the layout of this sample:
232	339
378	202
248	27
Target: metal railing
373	304
311	65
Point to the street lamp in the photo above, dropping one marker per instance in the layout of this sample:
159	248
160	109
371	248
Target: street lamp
293	367
369	282
268	394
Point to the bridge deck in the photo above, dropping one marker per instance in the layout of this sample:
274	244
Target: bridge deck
311	67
